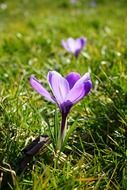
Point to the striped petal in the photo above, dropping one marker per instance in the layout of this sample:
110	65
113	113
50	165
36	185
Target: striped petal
59	85
40	89
80	89
72	78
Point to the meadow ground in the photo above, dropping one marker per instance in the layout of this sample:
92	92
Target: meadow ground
31	31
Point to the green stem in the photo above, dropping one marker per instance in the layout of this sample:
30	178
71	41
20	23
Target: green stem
62	131
63	126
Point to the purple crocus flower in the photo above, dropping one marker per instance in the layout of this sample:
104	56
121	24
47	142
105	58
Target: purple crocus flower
74	45
65	91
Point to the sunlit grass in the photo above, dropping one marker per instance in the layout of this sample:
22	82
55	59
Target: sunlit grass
30	43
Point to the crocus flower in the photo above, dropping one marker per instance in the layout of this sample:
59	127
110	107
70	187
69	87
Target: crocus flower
74	45
66	92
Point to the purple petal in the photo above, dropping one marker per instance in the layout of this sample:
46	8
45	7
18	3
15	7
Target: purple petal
71	45
65	45
84	78
76	94
80	43
86	81
40	89
59	86
80	89
72	78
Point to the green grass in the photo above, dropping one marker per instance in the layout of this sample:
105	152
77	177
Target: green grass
30	43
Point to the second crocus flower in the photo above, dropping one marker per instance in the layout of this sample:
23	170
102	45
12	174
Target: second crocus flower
74	46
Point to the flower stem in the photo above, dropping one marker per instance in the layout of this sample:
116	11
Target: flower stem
62	132
63	126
